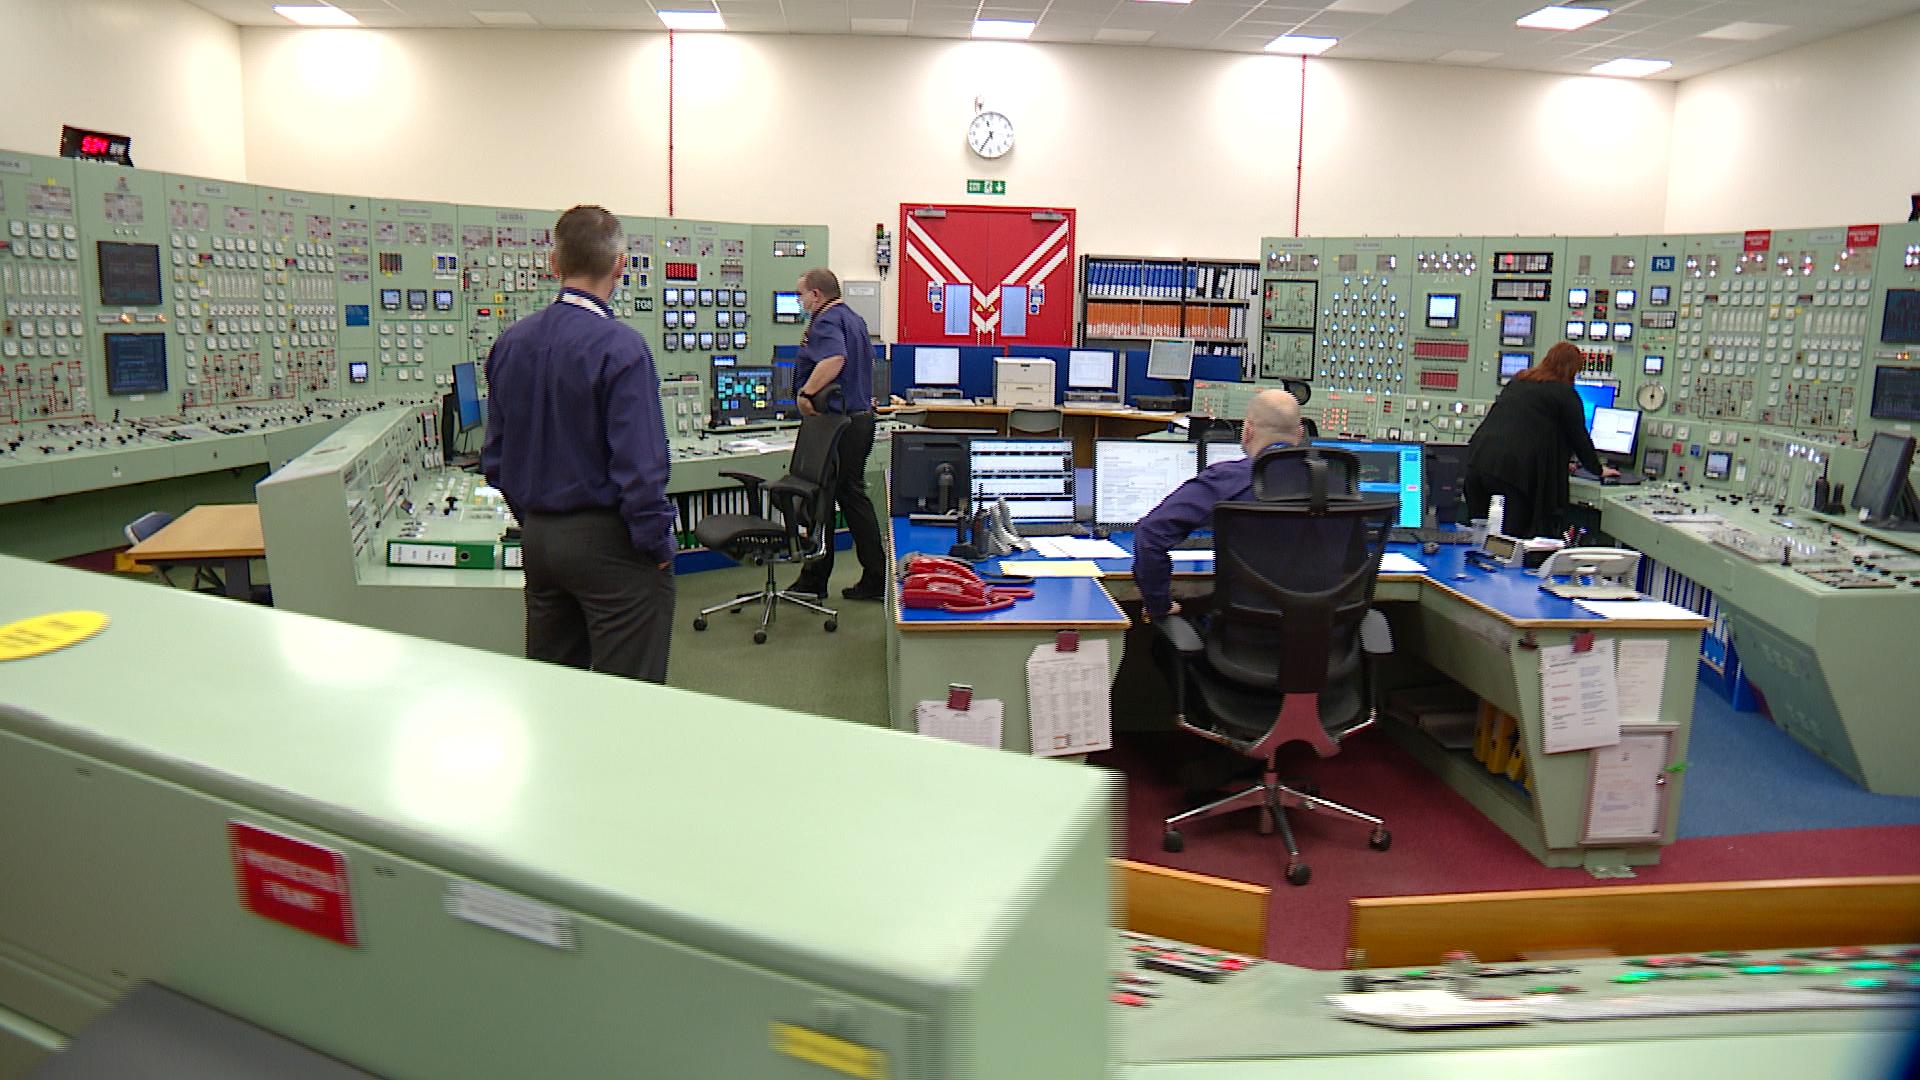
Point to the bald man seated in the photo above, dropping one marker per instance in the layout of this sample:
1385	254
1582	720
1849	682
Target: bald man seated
1273	419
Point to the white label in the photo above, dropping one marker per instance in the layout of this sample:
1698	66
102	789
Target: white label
414	211
420	555
15	165
511	914
513	558
211	190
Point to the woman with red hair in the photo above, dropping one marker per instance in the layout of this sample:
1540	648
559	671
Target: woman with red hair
1523	446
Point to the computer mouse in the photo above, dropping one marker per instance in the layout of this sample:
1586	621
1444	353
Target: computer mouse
1430	548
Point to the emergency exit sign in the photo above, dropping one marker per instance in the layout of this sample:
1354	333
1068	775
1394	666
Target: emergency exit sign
986	187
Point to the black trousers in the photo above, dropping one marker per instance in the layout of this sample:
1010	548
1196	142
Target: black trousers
1524	516
856	446
592	600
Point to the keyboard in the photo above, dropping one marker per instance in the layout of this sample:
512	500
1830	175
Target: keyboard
1047	528
1623	480
1750	1001
1424	535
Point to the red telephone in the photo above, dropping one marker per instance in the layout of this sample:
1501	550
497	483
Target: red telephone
949	585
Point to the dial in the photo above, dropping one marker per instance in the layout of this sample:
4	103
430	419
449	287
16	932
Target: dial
990	134
1652	395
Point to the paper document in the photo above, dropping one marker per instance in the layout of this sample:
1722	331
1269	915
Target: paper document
1651	610
1068	699
1626	800
1578	699
1077	547
1642	674
1190	555
976	726
1050	567
1395	563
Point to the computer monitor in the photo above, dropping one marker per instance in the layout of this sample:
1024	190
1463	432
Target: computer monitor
741	394
1443	310
1034	476
1389	468
785	405
786	307
1444	473
1594	395
1091	369
1896	393
929	472
129	273
936	366
1214	452
1884	490
1170	359
1516	328
1513	363
1616	433
466	396
136	363
1131	476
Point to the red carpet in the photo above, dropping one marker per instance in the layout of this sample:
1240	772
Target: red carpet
1441	844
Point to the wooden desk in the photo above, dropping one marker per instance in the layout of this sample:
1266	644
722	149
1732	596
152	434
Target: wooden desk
1081	424
224	534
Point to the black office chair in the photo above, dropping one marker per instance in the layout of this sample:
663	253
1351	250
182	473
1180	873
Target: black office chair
799	528
1286	653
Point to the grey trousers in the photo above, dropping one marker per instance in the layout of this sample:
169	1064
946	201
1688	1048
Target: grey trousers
592	600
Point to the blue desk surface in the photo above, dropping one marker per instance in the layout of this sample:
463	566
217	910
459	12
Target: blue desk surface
1055	602
1511	594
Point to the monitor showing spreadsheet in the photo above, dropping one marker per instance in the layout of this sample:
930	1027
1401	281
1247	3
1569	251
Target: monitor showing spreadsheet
1615	431
934	366
1090	369
1131	476
1034	476
1389	468
1213	453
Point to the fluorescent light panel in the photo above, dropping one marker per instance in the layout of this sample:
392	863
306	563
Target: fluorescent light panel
1628	67
315	15
1007	29
692	20
1163	1
1301	45
1561	17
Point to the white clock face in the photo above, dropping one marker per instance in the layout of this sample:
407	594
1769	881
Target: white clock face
1652	396
990	134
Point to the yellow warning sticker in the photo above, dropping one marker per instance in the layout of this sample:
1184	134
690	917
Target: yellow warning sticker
46	633
850	1059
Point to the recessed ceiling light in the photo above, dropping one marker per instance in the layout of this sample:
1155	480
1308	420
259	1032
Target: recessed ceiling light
1009	29
1627	67
1562	17
692	20
1466	56
505	18
1163	1
1301	45
315	15
1744	31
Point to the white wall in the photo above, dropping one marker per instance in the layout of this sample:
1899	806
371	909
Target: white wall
1821	135
1162	151
163	71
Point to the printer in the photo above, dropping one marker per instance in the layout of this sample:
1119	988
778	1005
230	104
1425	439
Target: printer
1023	380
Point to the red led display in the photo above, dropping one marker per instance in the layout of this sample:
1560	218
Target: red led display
683	271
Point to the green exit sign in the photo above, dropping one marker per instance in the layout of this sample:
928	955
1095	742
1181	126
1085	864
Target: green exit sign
986	187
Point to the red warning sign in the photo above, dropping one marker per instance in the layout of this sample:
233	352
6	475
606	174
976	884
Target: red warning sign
292	881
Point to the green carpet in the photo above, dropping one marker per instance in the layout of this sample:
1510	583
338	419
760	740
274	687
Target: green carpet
801	667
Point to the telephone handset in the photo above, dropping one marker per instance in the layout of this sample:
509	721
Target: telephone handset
946	585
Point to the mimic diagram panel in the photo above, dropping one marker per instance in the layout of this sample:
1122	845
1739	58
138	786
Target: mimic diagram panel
44	330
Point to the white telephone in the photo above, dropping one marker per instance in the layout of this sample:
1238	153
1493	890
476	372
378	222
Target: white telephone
1598	573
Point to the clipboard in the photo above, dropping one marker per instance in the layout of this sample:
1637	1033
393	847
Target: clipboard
1628	793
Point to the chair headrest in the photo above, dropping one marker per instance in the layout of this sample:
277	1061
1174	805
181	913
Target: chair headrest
1315	475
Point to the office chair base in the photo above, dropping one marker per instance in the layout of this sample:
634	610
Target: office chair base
769	600
1272	799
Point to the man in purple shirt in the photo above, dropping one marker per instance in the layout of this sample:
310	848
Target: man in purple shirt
576	443
1273	419
835	374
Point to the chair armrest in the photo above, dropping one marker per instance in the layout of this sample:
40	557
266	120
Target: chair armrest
753	484
1376	637
1180	634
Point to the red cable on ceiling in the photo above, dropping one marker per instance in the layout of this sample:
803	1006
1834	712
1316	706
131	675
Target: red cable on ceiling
1300	158
670	88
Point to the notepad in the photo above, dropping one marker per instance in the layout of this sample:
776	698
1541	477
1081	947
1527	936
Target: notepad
1051	568
1647	609
1395	563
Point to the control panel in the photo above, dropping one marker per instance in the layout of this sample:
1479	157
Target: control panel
417	322
705	305
43	324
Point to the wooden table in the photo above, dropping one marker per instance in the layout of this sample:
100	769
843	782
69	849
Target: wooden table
226	535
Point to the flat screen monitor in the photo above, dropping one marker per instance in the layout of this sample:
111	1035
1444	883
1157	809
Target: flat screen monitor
670	296
1444	475
1389	468
786	307
1900	319
136	363
1624	299
1576	329
1884	489
357	371
466	395
1090	369
1594	395
1170	359
1034	476
1598	330
1131	476
1576	298
1652	364
1615	431
1443	310
936	366
1214	452
389	299
741	394
928	474
784	403
1513	363
1896	393
1659	295
416	299
129	273
443	299
1719	464
1516	328
1623	331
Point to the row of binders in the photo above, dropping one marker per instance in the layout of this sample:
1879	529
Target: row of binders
1110	319
690	508
1126	280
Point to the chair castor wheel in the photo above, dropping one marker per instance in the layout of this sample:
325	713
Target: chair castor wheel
1173	842
832	625
700	623
1299	874
1381	840
759	637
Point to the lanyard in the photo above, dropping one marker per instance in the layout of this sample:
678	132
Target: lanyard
584	303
